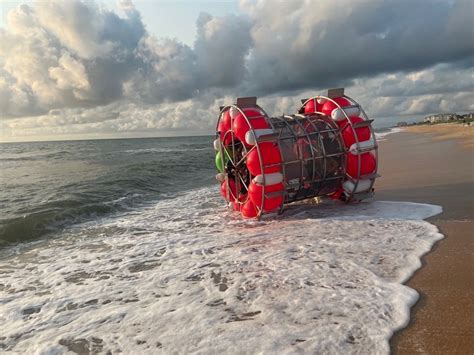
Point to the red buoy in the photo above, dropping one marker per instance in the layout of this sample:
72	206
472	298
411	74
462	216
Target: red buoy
236	206
232	192
312	106
249	210
363	133
270	155
223	127
329	105
240	125
269	203
367	164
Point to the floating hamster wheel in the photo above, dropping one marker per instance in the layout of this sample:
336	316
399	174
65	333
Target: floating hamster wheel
327	149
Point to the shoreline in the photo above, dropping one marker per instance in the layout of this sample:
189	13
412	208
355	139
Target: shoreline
434	164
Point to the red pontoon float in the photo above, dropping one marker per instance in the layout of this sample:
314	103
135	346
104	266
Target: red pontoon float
327	149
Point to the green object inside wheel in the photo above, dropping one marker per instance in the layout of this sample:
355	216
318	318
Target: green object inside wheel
220	165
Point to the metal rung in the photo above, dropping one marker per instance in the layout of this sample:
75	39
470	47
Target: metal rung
364	150
337	177
369	176
363	124
271	165
350	106
244	102
337	92
255	117
267	137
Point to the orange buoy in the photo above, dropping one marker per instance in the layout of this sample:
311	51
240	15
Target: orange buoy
367	164
270	155
249	210
232	192
363	133
269	203
329	105
240	126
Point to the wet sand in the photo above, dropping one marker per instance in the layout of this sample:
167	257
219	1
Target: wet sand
435	164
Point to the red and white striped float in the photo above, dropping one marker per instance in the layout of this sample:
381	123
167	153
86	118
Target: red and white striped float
327	149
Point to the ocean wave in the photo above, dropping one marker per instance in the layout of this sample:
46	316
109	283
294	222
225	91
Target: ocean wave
381	134
24	157
51	216
184	275
164	150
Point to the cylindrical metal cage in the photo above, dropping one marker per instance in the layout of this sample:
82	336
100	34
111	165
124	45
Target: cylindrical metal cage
266	162
313	156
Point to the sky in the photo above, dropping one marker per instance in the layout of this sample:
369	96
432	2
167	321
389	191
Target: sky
108	69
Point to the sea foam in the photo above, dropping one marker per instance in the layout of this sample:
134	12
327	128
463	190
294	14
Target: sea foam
184	275
381	136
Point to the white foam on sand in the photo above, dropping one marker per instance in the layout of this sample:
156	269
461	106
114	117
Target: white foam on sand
186	276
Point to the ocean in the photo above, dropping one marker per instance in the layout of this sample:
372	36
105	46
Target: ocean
47	186
126	246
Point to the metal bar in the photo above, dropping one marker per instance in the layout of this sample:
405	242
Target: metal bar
282	167
267	138
299	152
332	93
367	123
246	102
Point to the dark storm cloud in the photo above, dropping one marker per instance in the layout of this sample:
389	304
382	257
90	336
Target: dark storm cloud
319	44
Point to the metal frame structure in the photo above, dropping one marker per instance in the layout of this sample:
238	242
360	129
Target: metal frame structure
309	131
333	93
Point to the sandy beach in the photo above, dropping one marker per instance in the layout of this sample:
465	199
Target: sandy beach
445	131
435	164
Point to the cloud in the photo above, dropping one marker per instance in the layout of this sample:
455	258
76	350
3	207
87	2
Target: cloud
77	66
59	54
63	54
125	118
320	44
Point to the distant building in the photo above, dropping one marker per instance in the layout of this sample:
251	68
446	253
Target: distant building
448	117
441	117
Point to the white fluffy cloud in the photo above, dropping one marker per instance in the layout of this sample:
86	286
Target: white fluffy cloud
76	67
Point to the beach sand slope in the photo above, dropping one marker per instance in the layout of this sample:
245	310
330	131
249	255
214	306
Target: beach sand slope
435	164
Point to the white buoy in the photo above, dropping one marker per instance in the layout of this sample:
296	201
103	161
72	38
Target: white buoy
217	144
363	185
252	138
337	114
363	147
270	179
